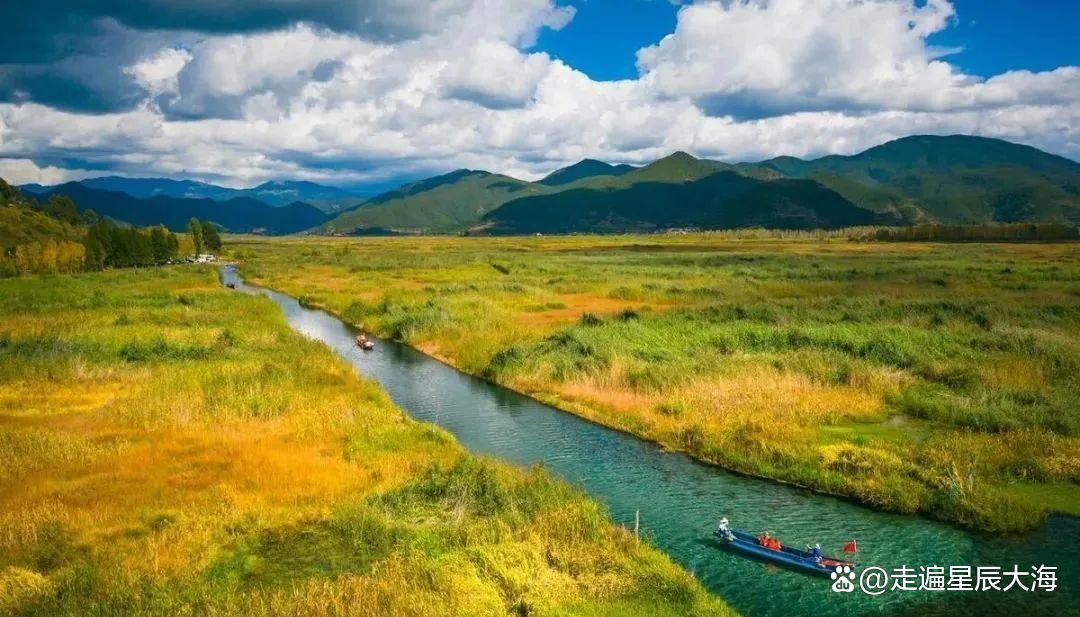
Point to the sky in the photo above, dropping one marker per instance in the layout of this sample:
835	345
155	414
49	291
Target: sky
368	92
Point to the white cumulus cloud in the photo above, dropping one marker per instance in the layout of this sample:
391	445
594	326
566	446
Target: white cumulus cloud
736	80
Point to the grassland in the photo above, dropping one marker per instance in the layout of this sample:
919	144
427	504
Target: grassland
169	447
918	378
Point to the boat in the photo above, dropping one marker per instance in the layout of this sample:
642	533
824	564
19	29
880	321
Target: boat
364	342
787	556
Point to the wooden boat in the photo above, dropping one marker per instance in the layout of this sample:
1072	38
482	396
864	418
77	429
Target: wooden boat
786	556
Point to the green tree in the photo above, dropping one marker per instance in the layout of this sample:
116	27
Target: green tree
159	244
61	207
98	246
144	249
174	245
196	232
211	238
89	217
9	194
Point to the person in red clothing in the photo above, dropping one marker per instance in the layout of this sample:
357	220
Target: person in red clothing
768	541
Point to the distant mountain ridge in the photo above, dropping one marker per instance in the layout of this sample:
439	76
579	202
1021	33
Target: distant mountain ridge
953	179
948	179
240	214
273	193
584	169
444	204
723	199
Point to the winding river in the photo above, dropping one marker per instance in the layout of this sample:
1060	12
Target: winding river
680	500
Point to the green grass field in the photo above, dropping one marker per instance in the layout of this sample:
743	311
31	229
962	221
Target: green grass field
173	448
924	378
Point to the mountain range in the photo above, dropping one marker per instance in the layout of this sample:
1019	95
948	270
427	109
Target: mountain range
239	214
943	179
274	193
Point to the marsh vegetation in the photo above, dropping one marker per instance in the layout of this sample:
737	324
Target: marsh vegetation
919	378
171	447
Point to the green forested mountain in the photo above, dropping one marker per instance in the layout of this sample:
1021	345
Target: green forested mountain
920	179
675	168
447	203
723	199
459	200
586	168
950	179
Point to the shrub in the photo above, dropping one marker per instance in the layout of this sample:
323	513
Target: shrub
159	349
591	319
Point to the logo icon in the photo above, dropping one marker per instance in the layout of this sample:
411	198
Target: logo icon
842	579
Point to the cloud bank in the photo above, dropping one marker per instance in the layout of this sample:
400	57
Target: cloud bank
241	92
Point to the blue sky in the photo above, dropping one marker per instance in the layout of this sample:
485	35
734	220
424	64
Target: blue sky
994	36
370	92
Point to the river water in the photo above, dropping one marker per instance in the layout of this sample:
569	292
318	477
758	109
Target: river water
679	500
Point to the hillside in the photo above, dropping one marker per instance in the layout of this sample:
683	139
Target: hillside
678	167
720	200
239	215
948	179
19	225
586	168
442	204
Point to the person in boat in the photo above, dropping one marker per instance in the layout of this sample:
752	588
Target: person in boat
768	541
723	530
815	553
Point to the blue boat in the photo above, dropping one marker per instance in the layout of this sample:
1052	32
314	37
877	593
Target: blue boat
787	556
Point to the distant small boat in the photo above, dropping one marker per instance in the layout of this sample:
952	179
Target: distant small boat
231	285
364	342
777	553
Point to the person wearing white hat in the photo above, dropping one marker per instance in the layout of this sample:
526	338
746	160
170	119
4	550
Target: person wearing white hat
723	530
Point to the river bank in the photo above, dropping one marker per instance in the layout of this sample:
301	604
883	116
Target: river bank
849	369
171	446
677	500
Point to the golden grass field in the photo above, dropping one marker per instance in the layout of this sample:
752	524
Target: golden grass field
925	378
170	447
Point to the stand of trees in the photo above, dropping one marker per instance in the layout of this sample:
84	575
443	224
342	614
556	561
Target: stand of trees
999	232
111	246
57	237
48	256
204	236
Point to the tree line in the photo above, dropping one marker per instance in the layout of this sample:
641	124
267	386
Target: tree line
992	232
82	241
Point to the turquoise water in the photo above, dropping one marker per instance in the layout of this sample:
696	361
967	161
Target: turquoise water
680	500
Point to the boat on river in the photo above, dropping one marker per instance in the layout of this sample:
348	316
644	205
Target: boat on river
364	343
770	550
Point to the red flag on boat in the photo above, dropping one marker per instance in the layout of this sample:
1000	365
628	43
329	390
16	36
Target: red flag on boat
850	547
